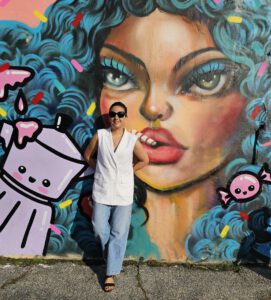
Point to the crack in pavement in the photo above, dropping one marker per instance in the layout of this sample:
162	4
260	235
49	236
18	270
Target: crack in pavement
13	280
139	281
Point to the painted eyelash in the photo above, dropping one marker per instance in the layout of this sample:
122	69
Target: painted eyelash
212	67
114	64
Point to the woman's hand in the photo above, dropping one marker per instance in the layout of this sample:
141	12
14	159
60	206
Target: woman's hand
141	156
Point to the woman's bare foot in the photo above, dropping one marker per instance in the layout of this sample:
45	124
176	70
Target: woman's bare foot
109	283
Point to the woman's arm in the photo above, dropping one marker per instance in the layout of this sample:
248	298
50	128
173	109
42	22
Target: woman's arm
91	149
141	155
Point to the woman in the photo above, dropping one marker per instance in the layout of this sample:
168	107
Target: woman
186	73
114	187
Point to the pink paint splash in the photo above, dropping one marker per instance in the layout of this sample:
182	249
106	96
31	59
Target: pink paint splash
26	129
4	2
262	69
55	229
11	77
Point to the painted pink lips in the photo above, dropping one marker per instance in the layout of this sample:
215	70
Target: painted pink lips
165	149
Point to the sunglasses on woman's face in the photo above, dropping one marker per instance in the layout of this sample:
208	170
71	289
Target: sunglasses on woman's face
120	114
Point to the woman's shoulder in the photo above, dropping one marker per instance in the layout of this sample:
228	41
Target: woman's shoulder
103	131
132	135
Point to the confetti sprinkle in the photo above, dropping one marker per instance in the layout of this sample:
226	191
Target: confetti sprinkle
235	19
37	98
224	231
244	215
4	67
91	108
3	113
255	112
65	203
59	86
55	229
77	19
262	69
40	16
267	144
77	66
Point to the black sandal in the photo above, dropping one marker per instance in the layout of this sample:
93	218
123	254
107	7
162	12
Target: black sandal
109	284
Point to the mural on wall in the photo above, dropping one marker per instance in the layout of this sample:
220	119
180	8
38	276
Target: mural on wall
195	76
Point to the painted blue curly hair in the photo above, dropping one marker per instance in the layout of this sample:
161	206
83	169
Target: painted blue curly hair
50	48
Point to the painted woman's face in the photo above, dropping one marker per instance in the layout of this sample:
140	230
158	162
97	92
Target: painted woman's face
180	93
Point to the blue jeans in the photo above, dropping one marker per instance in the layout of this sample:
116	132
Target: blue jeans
111	227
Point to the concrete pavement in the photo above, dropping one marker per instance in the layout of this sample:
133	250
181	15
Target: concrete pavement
76	280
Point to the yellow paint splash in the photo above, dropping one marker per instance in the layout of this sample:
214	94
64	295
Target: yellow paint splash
225	231
91	108
3	113
40	16
65	203
234	19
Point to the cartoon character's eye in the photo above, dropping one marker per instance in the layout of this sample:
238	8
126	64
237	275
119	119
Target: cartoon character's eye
237	191
22	169
251	188
46	182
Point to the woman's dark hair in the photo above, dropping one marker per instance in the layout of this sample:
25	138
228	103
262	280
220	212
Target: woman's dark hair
119	104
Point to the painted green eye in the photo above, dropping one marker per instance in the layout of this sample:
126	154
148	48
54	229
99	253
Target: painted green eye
208	81
114	78
116	75
213	78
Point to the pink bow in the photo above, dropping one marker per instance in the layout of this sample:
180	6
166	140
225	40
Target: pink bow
224	196
265	174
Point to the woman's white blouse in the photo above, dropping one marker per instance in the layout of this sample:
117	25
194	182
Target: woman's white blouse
114	175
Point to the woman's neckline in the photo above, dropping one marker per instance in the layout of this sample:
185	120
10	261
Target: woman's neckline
120	140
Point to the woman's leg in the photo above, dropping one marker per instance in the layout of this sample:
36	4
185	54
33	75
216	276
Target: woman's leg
100	222
120	224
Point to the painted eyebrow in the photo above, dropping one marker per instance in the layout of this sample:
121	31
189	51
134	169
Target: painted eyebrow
126	55
190	56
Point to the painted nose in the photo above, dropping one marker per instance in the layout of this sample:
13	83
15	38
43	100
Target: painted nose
31	179
155	106
245	192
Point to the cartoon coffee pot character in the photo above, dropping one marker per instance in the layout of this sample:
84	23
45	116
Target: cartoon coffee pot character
39	164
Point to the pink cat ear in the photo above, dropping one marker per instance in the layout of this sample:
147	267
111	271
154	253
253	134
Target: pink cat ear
265	174
224	196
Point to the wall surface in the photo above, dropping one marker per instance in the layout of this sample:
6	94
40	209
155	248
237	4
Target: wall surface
195	76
